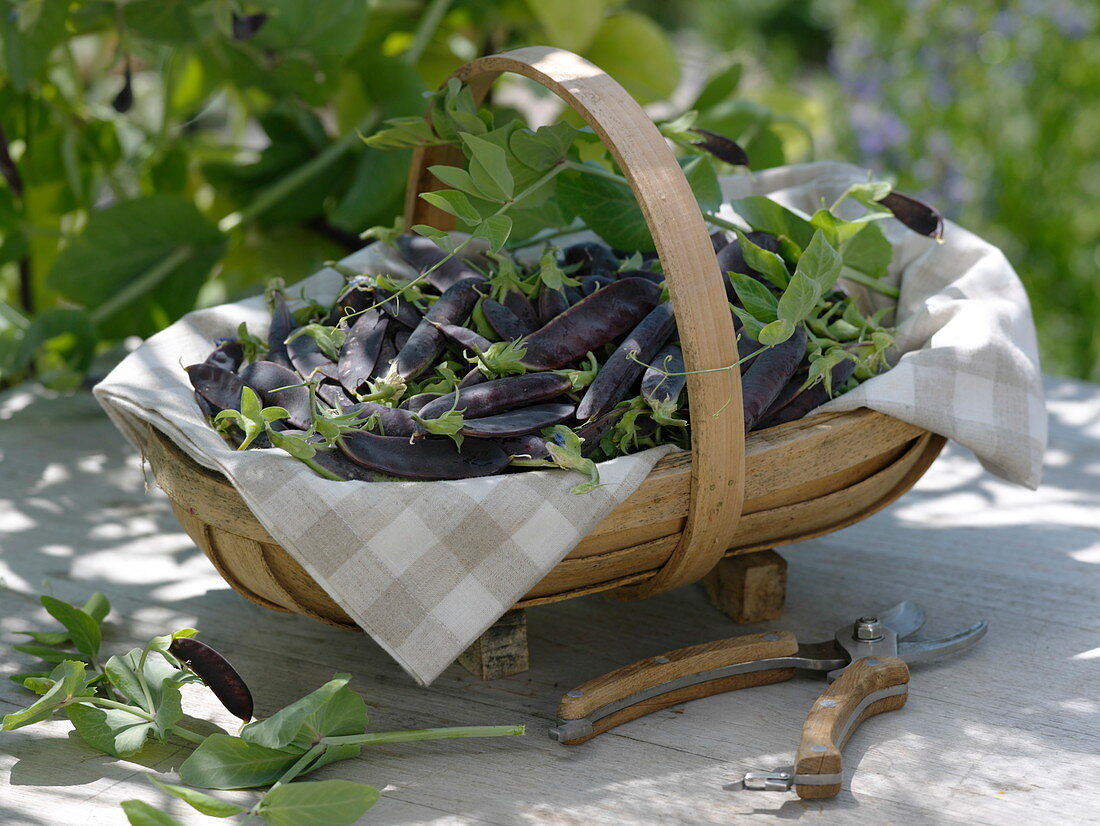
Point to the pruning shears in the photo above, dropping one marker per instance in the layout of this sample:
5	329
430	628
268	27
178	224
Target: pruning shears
865	662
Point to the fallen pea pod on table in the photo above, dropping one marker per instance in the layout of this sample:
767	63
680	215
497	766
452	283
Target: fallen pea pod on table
477	369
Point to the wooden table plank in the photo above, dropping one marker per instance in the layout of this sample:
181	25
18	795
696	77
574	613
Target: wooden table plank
1004	732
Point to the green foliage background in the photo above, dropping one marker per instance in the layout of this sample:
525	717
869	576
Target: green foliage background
239	159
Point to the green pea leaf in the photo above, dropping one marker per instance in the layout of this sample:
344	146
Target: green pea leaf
323	803
140	813
401	133
544	147
765	215
719	87
46	637
44	652
169	710
799	299
83	629
200	801
756	298
280	729
121	673
453	202
820	263
776	333
751	326
457	178
69	682
763	261
29	40
224	762
495	229
109	730
489	168
97	607
440	237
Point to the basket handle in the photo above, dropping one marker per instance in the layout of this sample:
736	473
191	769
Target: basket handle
698	298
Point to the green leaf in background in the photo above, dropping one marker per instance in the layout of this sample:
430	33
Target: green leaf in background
97	606
489	168
224	762
124	246
46	637
82	627
703	179
776	333
200	801
636	52
568	24
719	87
756	298
322	803
868	251
50	655
29	32
608	208
765	149
162	21
69	682
62	344
765	215
819	262
109	730
751	326
140	813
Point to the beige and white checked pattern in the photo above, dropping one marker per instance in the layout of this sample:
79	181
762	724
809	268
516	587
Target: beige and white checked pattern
426	567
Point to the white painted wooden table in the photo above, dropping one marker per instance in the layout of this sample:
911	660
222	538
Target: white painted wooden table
1007	732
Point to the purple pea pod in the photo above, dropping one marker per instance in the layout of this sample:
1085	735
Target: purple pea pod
591	432
620	371
719	240
361	349
552	303
648	275
228	355
499	395
522	308
334	396
208	410
216	674
475	376
424	458
309	361
336	462
573	295
530	446
414	404
807	400
768	373
426	342
282	325
354	300
517	422
504	322
591	323
400	309
591	283
220	387
392	421
423	254
464	337
658	388
401	337
594	258
278	386
386	355
721	147
916	215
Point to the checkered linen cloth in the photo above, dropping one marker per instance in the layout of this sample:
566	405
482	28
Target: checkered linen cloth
426	567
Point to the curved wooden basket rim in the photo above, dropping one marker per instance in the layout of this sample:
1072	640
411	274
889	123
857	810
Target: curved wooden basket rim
690	267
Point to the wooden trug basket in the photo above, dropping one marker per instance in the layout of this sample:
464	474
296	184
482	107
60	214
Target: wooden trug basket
731	495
